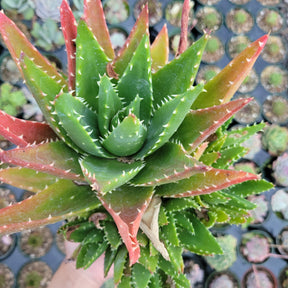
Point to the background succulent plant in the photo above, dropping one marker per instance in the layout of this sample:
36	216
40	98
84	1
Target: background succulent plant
132	154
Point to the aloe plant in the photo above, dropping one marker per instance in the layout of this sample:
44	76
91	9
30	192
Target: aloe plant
132	154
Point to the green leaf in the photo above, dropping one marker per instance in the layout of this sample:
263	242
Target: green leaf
239	203
44	89
160	50
223	86
169	231
17	44
166	120
155	281
27	179
175	255
205	122
108	174
89	253
109	104
182	220
127	138
93	10
204	183
248	188
136	80
202	241
80	123
91	63
126	53
147	260
140	275
169	164
109	259
178	76
177	204
54	158
238	136
78	232
119	264
112	235
59	201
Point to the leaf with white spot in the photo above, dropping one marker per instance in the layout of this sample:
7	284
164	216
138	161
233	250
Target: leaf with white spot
54	158
169	164
167	119
91	63
80	124
140	275
198	125
109	104
23	132
179	75
59	201
202	241
136	80
127	138
127	204
105	175
204	183
223	86
126	53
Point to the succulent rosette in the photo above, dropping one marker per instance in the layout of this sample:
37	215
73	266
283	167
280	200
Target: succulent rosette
134	155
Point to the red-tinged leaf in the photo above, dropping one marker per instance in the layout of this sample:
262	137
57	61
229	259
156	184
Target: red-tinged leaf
95	19
223	86
54	158
69	29
205	183
170	164
17	43
23	132
59	201
125	54
184	27
126	205
205	122
160	49
27	179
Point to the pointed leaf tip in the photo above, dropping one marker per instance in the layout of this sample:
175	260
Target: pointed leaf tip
184	27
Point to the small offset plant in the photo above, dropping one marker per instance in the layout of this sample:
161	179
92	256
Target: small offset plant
11	100
133	155
21	7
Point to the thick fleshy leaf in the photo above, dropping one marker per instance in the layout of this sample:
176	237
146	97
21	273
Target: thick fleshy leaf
59	201
119	264
95	19
137	80
223	86
45	89
127	138
17	44
27	179
147	260
201	242
106	175
109	104
125	54
167	119
54	158
80	123
160	50
69	29
238	136
109	259
112	235
126	205
91	63
22	132
169	164
204	183
140	275
178	76
198	125
248	188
